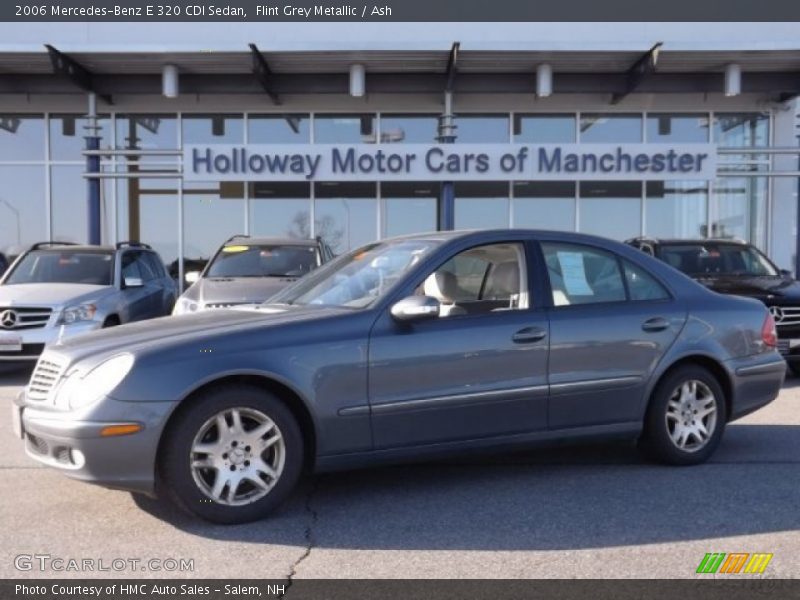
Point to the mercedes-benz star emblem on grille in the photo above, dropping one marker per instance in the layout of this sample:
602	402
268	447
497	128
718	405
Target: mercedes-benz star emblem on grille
8	318
777	313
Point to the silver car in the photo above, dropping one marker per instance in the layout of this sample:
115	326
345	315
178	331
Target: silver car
249	271
56	291
405	348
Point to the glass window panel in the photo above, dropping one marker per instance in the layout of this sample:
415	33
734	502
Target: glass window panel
544	129
740	209
212	212
641	285
22	208
544	205
610	128
349	129
70	210
409	207
21	137
148	132
68	133
665	128
279	129
676	209
476	129
409	129
213	129
481	205
582	275
147	211
737	130
601	199
345	214
280	209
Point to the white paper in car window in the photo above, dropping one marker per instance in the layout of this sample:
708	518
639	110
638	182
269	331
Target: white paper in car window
574	274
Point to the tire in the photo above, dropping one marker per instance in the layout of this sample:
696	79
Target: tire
794	369
238	498
672	412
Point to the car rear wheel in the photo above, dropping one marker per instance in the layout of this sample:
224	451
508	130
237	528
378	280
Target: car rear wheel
686	417
233	455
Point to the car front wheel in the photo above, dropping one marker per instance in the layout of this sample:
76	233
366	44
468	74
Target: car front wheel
232	455
686	417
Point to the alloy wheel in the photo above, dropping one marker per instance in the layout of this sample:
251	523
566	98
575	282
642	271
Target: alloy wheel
691	416
237	456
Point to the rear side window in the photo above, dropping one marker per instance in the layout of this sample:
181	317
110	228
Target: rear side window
582	275
642	286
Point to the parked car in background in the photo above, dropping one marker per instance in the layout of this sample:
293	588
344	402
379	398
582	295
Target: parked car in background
404	348
57	290
736	267
250	270
3	263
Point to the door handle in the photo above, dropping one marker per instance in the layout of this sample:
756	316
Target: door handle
529	335
655	324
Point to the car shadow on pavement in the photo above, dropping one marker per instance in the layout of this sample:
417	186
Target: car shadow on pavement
12	374
554	499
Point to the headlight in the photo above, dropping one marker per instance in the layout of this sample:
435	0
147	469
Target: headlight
80	390
184	305
73	314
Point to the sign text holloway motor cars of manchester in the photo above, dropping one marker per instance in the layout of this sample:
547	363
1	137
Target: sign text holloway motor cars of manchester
452	162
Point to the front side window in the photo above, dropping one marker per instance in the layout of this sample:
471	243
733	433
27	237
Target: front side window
64	267
359	278
264	260
480	280
582	275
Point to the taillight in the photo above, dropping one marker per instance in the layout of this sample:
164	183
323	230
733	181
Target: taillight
769	335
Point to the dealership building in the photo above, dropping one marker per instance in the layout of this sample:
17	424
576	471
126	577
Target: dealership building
356	132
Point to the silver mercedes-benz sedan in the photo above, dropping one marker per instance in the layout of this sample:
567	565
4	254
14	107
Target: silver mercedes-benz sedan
405	348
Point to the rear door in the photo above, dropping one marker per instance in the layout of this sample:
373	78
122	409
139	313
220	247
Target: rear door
610	323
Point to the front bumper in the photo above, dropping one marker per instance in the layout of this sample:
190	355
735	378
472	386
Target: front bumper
34	340
73	444
756	381
789	347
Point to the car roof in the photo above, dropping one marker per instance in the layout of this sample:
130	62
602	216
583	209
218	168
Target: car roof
284	241
75	248
688	241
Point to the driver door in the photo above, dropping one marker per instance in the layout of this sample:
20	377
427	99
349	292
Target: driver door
479	370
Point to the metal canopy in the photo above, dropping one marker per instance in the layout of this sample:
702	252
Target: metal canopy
74	71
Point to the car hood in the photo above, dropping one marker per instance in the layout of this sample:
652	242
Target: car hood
145	336
50	294
755	287
236	290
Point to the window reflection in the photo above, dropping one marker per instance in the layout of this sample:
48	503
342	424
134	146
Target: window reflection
70	207
676	209
475	129
544	205
280	209
22	208
666	127
349	129
544	129
278	129
213	129
611	209
22	137
410	129
148	132
345	214
602	128
410	207
481	205
740	209
212	212
68	133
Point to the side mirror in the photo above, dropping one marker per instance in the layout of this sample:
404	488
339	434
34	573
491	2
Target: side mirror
133	282
416	308
786	274
192	277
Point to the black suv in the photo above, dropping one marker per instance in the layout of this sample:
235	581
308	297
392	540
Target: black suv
736	267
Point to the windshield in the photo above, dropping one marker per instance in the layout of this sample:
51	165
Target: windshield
359	278
263	260
718	259
67	266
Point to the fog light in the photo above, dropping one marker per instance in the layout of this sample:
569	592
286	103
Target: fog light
77	458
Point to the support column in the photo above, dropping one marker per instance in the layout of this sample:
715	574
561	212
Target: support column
446	213
93	166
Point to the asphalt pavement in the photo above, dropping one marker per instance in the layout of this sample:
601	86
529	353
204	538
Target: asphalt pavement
587	511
